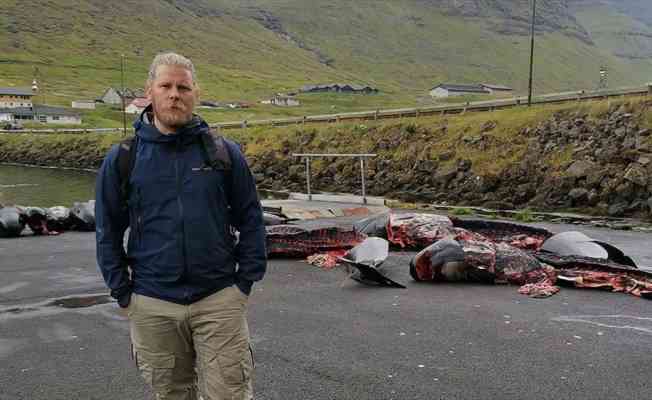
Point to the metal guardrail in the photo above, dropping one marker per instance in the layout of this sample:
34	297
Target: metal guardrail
307	157
457	108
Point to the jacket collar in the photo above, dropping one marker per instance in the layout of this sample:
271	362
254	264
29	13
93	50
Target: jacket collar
146	130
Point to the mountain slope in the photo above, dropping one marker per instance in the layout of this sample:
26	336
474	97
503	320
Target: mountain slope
252	48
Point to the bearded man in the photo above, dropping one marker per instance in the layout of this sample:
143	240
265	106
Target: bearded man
185	278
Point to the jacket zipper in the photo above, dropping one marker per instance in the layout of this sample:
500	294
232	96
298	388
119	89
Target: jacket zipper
180	203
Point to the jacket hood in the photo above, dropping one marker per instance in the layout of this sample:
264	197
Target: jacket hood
146	130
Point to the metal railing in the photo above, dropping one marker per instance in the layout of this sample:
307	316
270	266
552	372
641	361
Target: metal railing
308	156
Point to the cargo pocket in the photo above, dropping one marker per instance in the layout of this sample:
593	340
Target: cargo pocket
156	369
236	373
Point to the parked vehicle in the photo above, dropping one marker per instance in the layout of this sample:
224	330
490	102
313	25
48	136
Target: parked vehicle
12	126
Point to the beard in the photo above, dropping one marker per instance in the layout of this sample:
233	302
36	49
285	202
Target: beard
172	117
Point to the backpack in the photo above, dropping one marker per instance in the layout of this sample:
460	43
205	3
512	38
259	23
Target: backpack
214	152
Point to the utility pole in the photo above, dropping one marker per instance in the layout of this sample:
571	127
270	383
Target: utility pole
534	15
122	96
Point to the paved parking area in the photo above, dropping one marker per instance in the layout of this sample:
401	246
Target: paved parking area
319	335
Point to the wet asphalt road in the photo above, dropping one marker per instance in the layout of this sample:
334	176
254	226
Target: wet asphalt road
319	335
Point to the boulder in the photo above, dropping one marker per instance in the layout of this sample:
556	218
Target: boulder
295	171
578	195
637	174
580	169
488	126
464	165
445	174
499	205
593	198
427	165
620	132
595	177
617	209
445	156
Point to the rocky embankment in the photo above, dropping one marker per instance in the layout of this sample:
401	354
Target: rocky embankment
570	160
590	158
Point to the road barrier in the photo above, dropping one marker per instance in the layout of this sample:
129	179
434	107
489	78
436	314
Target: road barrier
457	108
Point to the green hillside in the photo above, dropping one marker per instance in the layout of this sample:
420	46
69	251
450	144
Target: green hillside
250	49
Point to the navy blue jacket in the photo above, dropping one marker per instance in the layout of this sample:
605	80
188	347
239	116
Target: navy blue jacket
180	246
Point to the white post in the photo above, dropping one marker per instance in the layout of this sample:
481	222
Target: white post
362	173
308	178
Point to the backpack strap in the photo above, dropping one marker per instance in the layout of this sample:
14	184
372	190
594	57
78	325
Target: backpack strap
215	152
217	156
126	162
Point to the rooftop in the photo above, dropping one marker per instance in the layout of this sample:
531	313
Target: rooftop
14	91
453	87
495	87
39	110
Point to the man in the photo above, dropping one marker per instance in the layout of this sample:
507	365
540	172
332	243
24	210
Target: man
185	279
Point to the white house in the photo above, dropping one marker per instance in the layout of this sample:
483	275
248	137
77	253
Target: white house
15	97
40	113
55	115
6	115
114	96
446	90
137	105
284	101
84	104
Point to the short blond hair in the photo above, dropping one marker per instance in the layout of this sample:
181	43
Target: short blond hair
170	59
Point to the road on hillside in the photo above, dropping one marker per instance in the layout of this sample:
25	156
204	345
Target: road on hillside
319	335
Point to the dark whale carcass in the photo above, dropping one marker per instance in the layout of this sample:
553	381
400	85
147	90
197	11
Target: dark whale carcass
82	215
11	222
308	238
471	257
583	262
58	219
577	244
416	231
36	220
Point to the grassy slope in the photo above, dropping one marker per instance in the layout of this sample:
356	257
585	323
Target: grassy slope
426	138
416	46
77	49
616	32
402	47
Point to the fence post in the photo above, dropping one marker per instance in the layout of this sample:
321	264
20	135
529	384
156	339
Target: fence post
362	174
308	178
649	89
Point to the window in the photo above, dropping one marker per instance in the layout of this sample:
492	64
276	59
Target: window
55	117
42	118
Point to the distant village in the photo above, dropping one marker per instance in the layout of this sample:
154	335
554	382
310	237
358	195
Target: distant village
17	106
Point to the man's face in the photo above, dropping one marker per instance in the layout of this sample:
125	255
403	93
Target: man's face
173	95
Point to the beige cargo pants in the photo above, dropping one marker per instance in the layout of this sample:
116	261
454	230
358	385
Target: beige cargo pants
198	351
